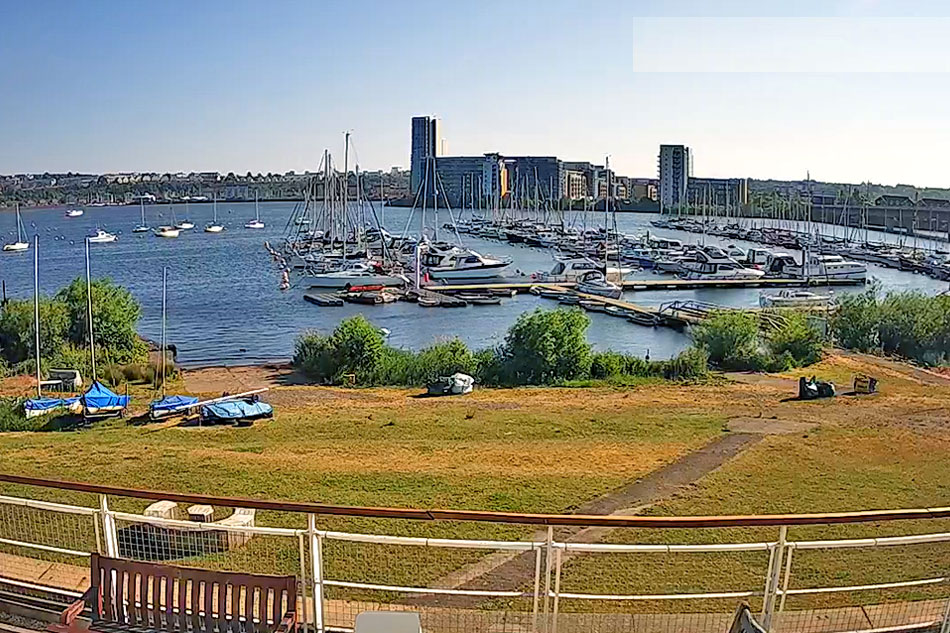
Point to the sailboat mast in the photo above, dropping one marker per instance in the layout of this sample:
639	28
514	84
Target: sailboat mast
92	341
164	345
346	186
214	208
36	308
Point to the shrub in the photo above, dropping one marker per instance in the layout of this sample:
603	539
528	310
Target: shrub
396	367
489	366
731	339
115	313
546	346
17	334
70	356
444	359
797	338
609	365
357	348
12	418
689	365
855	322
314	357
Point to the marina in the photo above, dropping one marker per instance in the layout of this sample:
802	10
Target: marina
226	284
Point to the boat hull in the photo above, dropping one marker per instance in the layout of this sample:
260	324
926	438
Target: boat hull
338	283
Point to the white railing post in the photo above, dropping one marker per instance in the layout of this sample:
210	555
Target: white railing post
557	588
945	625
316	571
303	582
773	579
108	529
547	576
537	589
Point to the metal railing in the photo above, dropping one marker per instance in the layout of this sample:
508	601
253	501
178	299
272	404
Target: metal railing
553	581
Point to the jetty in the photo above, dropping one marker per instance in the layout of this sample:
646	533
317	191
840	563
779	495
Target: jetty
658	284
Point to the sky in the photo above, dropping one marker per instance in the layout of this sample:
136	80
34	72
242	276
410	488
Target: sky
237	85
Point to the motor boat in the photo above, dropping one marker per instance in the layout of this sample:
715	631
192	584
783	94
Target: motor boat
469	265
102	237
20	244
572	269
818	267
167	231
357	274
595	283
713	263
74	213
795	299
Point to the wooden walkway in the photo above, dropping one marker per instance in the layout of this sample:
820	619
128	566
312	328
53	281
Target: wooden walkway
656	284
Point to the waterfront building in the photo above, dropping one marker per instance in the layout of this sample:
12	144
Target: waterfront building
675	170
542	174
464	178
425	144
719	192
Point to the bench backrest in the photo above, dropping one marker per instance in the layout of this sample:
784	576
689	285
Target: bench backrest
181	599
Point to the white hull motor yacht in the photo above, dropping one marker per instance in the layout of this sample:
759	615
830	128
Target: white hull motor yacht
360	274
572	269
595	283
74	213
469	265
817	267
713	263
795	299
167	231
20	244
102	237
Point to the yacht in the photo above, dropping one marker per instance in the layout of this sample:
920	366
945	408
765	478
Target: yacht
794	299
469	265
143	227
595	283
102	237
818	267
714	263
167	231
572	269
214	227
74	213
185	225
256	222
357	274
20	244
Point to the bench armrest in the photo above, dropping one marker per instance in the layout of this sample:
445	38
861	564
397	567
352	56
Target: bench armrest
288	624
70	613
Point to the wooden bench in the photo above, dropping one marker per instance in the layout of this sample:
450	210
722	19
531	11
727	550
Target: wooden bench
134	597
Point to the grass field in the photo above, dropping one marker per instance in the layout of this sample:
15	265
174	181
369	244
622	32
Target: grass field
552	450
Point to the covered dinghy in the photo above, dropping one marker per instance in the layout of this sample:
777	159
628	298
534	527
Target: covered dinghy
35	407
238	412
170	405
99	401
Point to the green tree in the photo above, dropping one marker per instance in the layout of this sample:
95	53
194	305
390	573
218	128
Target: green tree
358	348
314	357
115	314
444	359
17	334
547	346
731	339
798	337
855	322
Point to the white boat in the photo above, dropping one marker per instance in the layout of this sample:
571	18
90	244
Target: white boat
359	274
567	270
184	225
214	227
256	222
167	231
795	299
595	283
143	227
20	244
102	237
818	267
713	263
468	265
74	213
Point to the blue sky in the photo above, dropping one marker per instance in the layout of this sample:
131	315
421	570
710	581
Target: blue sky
266	86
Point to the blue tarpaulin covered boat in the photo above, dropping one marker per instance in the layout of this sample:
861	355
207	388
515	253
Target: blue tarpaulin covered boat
100	401
170	405
41	406
235	411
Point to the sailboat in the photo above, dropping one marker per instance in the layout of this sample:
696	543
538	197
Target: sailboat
20	244
168	230
167	405
143	227
256	222
186	223
214	227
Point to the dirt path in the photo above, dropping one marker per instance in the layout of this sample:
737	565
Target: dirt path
507	571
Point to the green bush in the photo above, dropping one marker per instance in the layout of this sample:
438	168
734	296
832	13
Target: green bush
608	365
357	348
115	314
546	346
314	357
797	338
855	322
13	419
17	334
731	339
443	359
689	365
396	367
489	366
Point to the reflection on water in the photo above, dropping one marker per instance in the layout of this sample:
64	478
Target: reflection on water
225	306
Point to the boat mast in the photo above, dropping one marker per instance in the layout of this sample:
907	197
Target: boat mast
214	210
36	308
606	216
346	186
142	209
92	342
164	345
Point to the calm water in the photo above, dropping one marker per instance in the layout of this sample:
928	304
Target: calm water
224	305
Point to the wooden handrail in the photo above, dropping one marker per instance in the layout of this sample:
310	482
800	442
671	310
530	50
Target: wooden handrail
496	517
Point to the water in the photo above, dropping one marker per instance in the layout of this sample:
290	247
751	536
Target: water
224	305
